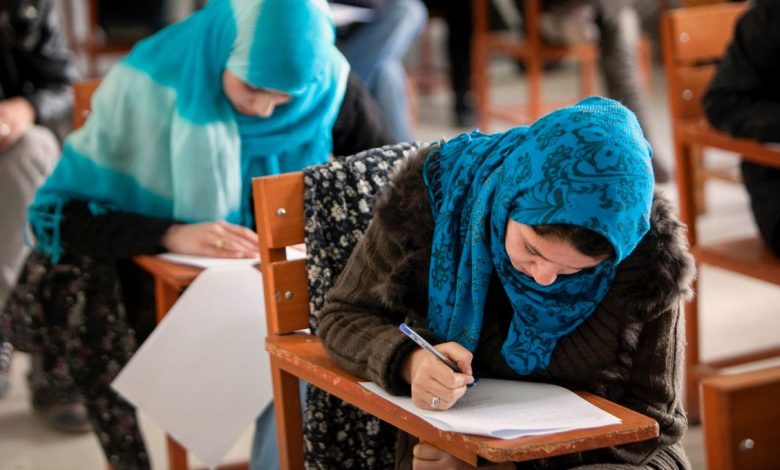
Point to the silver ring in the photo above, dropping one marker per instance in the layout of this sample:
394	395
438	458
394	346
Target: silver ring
435	402
5	130
219	243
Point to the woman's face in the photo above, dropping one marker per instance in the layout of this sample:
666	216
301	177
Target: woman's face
249	100
543	259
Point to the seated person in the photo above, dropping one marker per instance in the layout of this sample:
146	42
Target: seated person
376	49
540	253
35	110
164	163
744	101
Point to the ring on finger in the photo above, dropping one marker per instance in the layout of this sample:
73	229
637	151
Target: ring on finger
5	130
435	402
219	243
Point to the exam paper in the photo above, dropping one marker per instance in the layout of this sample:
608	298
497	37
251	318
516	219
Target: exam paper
203	374
508	409
293	252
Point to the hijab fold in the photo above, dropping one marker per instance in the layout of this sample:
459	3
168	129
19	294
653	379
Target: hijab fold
162	139
586	165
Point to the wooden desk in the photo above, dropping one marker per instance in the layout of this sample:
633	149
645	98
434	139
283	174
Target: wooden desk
304	356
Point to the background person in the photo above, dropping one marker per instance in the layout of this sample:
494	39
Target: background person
177	130
744	101
36	69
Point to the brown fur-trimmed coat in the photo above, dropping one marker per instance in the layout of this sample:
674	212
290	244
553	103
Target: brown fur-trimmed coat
629	351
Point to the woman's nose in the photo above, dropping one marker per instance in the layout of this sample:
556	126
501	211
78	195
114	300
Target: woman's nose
265	108
544	273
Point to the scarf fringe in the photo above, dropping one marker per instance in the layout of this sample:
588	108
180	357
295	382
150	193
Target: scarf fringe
45	221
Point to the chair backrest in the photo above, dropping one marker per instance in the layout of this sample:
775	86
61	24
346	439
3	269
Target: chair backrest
694	40
740	419
279	216
82	99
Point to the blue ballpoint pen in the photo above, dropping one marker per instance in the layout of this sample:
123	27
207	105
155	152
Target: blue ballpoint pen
428	347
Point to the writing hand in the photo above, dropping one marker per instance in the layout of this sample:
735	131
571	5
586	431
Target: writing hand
428	457
217	239
429	377
16	116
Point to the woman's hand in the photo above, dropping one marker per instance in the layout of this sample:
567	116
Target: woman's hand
434	385
428	457
217	239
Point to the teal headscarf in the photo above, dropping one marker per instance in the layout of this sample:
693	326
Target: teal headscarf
164	141
585	165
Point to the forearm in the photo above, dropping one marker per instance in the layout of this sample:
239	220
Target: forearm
359	323
110	234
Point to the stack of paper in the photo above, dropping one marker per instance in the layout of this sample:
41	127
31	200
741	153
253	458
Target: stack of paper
508	409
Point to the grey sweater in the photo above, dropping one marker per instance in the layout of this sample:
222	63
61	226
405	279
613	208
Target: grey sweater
629	351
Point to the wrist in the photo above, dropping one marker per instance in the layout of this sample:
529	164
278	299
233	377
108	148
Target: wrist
167	239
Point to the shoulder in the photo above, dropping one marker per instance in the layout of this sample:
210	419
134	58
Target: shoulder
660	271
403	206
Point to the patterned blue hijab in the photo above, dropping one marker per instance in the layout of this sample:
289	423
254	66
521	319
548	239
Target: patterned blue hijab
585	165
164	141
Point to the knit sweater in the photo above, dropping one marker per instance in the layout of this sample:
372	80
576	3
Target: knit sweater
629	351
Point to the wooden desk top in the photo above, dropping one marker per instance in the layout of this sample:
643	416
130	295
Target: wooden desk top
304	356
174	274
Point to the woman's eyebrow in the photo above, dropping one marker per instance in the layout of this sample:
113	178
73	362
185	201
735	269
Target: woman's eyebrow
536	252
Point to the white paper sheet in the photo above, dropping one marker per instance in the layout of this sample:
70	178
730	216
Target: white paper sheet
345	14
207	262
507	409
203	374
293	252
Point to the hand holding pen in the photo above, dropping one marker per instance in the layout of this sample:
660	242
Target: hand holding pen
438	375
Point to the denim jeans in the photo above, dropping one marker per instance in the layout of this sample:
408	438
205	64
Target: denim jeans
375	51
265	448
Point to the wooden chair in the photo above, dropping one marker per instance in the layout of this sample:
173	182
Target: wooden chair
296	355
741	420
533	53
693	40
170	279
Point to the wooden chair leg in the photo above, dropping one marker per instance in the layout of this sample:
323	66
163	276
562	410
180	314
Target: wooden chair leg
697	174
692	359
289	421
177	455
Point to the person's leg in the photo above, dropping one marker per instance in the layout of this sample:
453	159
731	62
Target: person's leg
23	168
388	37
265	451
376	50
390	94
620	35
763	186
79	315
459	31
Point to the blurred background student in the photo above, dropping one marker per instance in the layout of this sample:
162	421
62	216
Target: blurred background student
177	130
743	99
36	69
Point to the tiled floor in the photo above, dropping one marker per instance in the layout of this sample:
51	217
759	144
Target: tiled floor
739	313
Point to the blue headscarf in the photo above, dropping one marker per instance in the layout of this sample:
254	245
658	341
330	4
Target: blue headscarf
164	141
585	165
